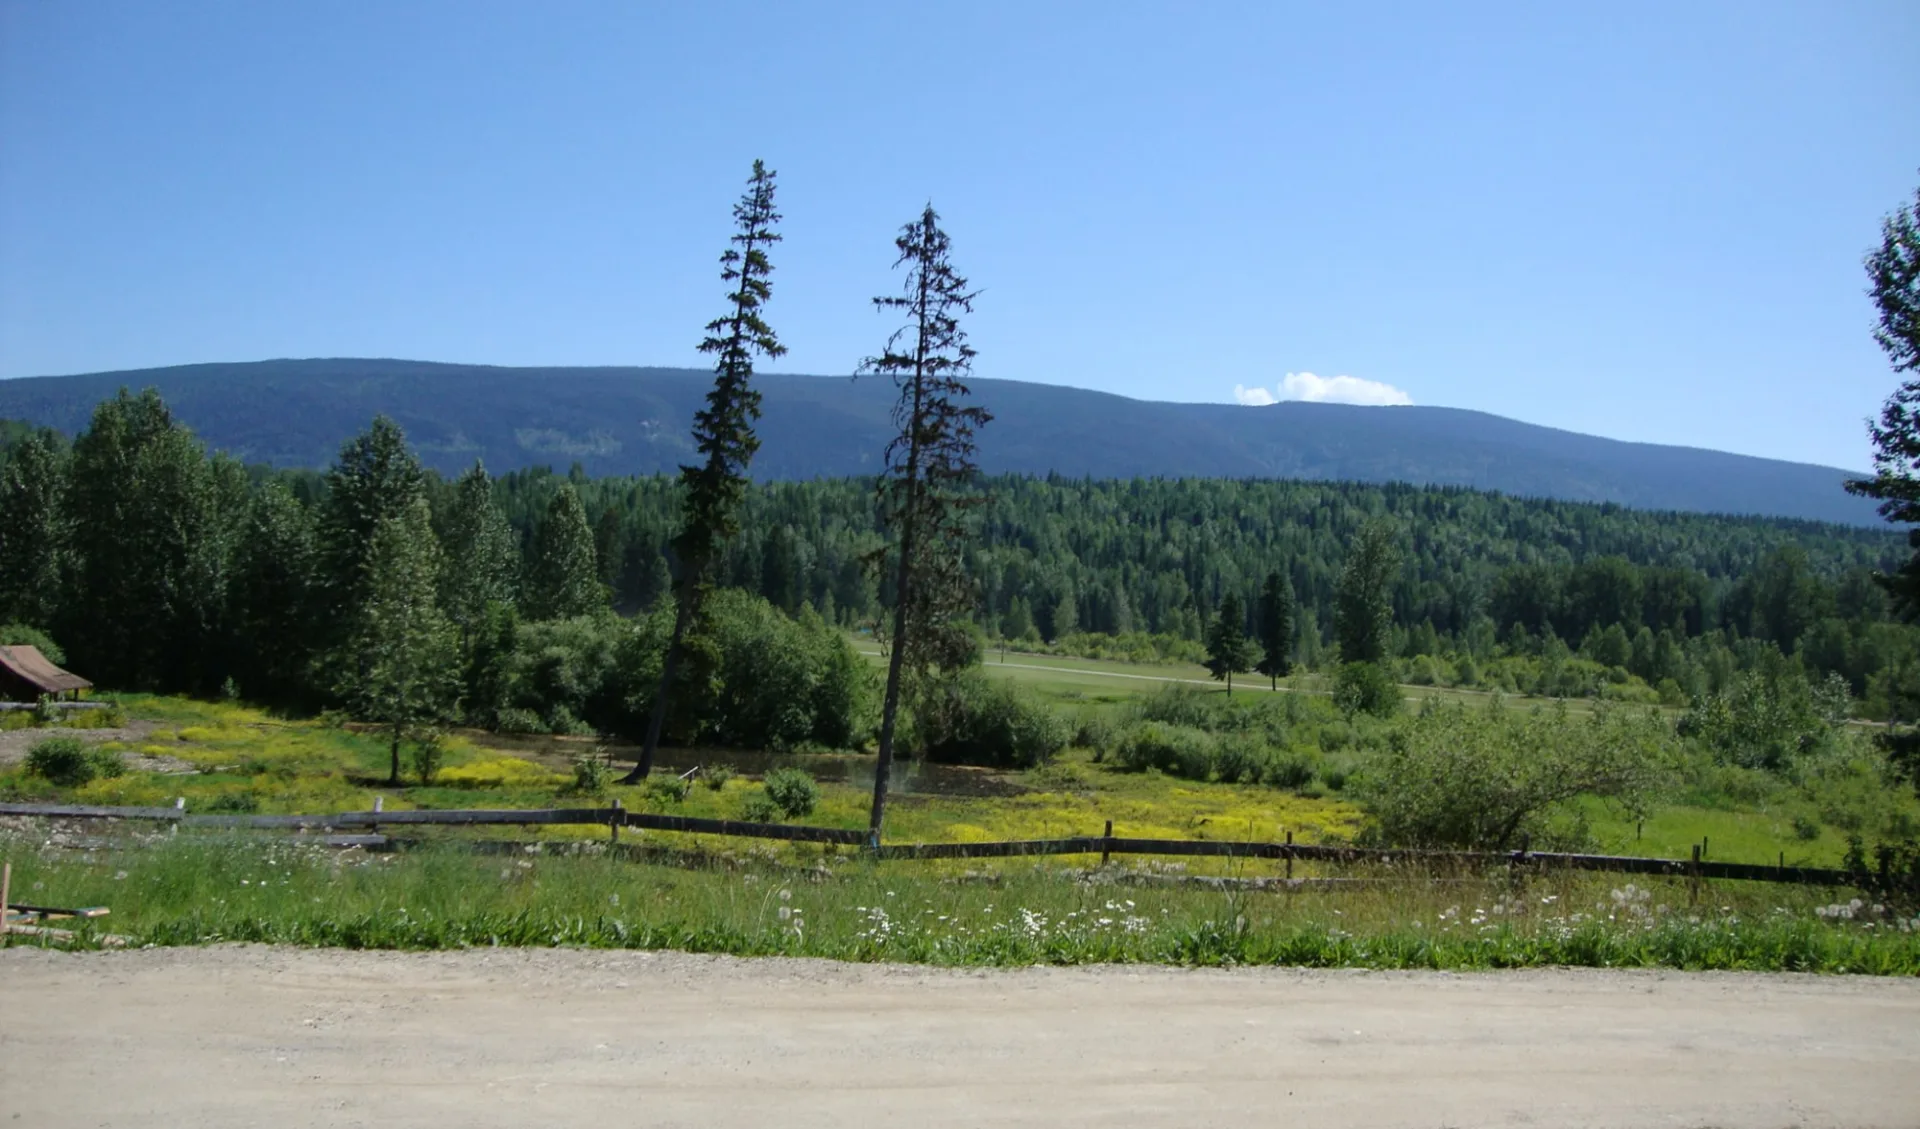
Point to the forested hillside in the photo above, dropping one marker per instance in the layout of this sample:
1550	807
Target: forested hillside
623	420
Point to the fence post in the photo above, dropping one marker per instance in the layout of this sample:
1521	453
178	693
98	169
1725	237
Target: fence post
179	805
1693	883
6	887
614	819
1106	844
1289	856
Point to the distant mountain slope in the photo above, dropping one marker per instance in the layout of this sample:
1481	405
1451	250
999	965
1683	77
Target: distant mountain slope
635	420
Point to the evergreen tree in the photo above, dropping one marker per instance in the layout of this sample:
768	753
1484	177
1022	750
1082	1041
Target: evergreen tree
1363	607
1275	627
929	482
610	548
33	530
376	479
398	667
1228	648
722	431
563	580
478	554
273	594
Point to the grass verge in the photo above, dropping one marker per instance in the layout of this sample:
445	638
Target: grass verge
192	889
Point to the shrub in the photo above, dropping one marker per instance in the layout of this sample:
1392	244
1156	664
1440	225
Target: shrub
515	720
1177	750
759	809
715	776
429	753
669	789
792	791
1484	777
1806	828
1292	770
972	719
591	773
68	762
26	635
1365	688
240	802
1094	731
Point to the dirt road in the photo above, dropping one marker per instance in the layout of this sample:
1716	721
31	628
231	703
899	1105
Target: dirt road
284	1038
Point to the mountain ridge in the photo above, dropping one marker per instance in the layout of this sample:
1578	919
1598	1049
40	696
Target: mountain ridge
634	420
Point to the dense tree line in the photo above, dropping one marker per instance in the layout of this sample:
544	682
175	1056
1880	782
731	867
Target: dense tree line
158	565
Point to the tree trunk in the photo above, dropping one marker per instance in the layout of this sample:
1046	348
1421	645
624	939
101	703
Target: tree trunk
682	621
890	711
393	777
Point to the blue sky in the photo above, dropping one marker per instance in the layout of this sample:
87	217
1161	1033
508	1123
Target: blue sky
1636	220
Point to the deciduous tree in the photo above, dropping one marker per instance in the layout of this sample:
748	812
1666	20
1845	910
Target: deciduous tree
1893	273
1363	604
33	530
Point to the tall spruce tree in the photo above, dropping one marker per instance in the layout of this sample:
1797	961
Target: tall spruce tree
722	433
1363	602
929	482
478	554
33	530
398	667
563	579
1228	649
1273	622
1893	273
377	478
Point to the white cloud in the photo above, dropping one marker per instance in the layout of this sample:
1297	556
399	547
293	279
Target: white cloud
1324	390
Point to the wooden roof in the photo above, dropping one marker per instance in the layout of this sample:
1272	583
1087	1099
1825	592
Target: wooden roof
30	666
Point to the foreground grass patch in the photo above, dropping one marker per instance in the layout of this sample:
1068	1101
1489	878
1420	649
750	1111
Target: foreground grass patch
194	890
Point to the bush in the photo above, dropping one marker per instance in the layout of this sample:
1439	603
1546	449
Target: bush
1365	688
792	791
429	753
591	773
516	720
972	719
715	776
26	635
68	762
759	809
669	789
1094	731
1485	777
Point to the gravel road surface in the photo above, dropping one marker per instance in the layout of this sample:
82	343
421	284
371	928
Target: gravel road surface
252	1036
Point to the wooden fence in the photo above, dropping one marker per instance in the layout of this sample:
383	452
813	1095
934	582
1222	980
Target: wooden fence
615	818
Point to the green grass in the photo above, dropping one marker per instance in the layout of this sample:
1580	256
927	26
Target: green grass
247	760
194	890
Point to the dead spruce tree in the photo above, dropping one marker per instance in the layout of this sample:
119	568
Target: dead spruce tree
722	432
929	481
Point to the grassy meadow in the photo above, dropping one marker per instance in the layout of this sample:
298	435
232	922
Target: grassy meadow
561	885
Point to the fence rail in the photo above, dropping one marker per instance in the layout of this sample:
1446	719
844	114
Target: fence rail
1106	845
